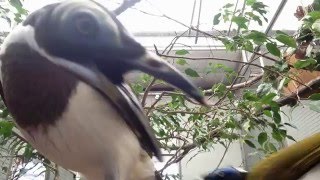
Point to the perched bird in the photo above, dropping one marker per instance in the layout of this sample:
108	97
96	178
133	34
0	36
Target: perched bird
227	173
62	80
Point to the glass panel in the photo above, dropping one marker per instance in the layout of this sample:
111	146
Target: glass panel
144	16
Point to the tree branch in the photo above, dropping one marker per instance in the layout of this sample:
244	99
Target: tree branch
126	4
309	89
303	91
248	83
240	85
207	58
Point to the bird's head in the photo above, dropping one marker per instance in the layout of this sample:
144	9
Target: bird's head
226	173
83	32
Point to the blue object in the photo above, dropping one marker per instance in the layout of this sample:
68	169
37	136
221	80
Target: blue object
226	173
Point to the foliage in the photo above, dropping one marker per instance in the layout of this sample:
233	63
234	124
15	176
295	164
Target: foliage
182	125
235	112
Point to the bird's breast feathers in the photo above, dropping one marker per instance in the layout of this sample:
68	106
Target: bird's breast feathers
89	128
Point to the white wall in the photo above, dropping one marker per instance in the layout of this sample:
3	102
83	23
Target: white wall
306	121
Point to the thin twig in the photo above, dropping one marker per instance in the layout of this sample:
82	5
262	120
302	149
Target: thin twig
146	92
155	102
224	154
227	60
234	12
265	56
206	58
126	4
173	42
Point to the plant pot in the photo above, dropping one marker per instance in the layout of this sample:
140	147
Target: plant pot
303	76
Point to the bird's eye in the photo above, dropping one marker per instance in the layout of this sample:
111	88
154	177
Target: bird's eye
86	24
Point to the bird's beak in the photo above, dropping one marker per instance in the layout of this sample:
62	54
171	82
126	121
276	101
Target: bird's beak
159	68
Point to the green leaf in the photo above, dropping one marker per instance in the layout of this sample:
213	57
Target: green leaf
146	78
249	143
28	151
281	66
231	123
291	138
273	49
303	63
315	106
267	113
257	37
228	5
314	15
264	89
240	21
286	40
274	106
277	136
19	7
250	2
266	99
181	61
182	52
256	18
276	117
5	113
219	89
272	147
259	7
191	72
262	138
315	97
281	32
248	46
218	66
316	27
16	3
291	125
137	88
6	128
283	132
216	19
250	96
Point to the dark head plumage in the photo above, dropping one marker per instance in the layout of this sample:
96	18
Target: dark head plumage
87	33
226	173
83	31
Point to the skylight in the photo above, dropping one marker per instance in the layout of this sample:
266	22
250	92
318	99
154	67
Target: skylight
144	16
